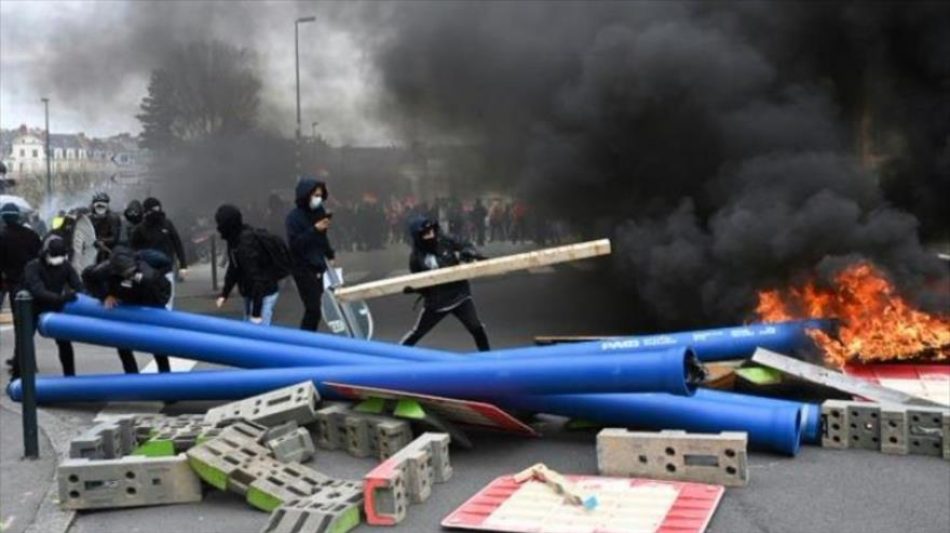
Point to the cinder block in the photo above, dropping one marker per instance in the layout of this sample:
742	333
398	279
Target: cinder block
107	440
946	434
297	402
279	430
406	476
674	455
216	460
894	434
835	424
330	426
245	429
296	446
126	482
334	508
864	425
360	432
391	436
284	483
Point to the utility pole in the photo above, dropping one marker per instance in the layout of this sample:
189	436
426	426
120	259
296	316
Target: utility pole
49	166
297	69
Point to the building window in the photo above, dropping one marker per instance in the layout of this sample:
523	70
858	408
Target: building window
22	154
36	153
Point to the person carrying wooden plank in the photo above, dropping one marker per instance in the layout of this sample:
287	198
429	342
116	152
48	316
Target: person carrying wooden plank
430	251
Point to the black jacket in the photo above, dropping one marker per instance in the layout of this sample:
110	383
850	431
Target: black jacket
161	236
108	228
446	253
309	248
152	290
249	268
18	246
51	286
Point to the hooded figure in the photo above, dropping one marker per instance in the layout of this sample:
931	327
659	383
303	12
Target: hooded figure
134	215
310	249
432	250
53	282
107	224
18	245
128	278
249	267
156	232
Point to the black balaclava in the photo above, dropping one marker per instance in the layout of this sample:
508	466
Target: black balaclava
229	222
122	262
134	212
153	211
55	247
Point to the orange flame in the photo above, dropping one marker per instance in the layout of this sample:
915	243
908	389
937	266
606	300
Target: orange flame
876	323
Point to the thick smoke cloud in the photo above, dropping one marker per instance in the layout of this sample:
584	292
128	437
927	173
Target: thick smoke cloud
727	147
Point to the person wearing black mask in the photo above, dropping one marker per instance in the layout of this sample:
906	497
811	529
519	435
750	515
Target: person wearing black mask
156	232
107	224
430	251
53	283
18	246
134	214
250	267
127	278
310	249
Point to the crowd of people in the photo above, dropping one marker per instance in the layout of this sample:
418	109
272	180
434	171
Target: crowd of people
139	255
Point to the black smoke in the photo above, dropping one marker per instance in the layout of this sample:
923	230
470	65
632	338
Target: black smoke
726	147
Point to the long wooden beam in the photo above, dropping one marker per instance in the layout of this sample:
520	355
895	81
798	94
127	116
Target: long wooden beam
480	269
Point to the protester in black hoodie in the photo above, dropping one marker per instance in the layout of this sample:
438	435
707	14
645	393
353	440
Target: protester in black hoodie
128	278
107	224
53	283
18	246
431	251
249	267
156	232
134	215
310	249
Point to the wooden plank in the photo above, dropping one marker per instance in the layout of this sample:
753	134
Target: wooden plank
480	269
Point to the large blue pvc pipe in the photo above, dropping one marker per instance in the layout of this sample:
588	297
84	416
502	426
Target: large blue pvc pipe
774	427
709	345
667	371
219	349
811	413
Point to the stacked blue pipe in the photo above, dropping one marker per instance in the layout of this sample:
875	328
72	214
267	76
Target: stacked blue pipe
758	417
709	345
667	371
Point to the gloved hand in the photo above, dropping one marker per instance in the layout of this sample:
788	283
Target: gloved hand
470	255
70	296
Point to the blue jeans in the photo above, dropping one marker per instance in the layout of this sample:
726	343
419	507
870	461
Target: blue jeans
267	308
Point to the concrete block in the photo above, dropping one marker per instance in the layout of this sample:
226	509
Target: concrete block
405	477
297	402
283	483
106	440
391	436
330	426
438	445
126	482
244	429
674	455
894	434
864	425
334	508
216	460
835	424
385	498
946	434
279	430
296	446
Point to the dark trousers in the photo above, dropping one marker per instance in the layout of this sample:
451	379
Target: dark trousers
131	367
66	357
465	312
310	288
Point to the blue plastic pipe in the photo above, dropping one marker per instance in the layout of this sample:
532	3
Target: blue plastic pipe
811	413
774	427
667	371
219	349
709	345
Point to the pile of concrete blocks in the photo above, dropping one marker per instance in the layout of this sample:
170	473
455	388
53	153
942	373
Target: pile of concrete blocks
105	440
130	481
297	403
335	507
361	434
406	477
889	428
674	455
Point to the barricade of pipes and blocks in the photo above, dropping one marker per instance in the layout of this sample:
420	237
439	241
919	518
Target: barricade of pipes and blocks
672	432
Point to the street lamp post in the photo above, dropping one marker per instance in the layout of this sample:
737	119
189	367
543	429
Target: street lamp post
297	69
49	169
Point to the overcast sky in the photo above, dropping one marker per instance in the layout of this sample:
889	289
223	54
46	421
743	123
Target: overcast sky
93	58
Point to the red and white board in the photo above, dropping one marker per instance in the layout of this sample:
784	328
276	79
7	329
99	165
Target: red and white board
928	381
464	412
624	506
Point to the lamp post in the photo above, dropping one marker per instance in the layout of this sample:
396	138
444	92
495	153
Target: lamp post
297	70
49	170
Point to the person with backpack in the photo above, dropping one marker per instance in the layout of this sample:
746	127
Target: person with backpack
18	246
310	249
156	232
253	265
107	224
52	282
134	279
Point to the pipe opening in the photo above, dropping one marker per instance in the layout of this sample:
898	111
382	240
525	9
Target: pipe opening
695	371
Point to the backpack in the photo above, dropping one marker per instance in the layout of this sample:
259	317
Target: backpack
276	249
155	259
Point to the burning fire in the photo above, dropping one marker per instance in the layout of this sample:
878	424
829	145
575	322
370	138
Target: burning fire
876	324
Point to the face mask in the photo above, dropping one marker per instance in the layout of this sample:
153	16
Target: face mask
100	209
155	216
315	202
56	261
12	220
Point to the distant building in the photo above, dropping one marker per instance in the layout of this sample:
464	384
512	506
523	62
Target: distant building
23	151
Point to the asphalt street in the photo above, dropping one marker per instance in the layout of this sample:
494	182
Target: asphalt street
818	491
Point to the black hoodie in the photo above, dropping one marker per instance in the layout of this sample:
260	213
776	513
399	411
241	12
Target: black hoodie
249	265
444	250
51	286
309	248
